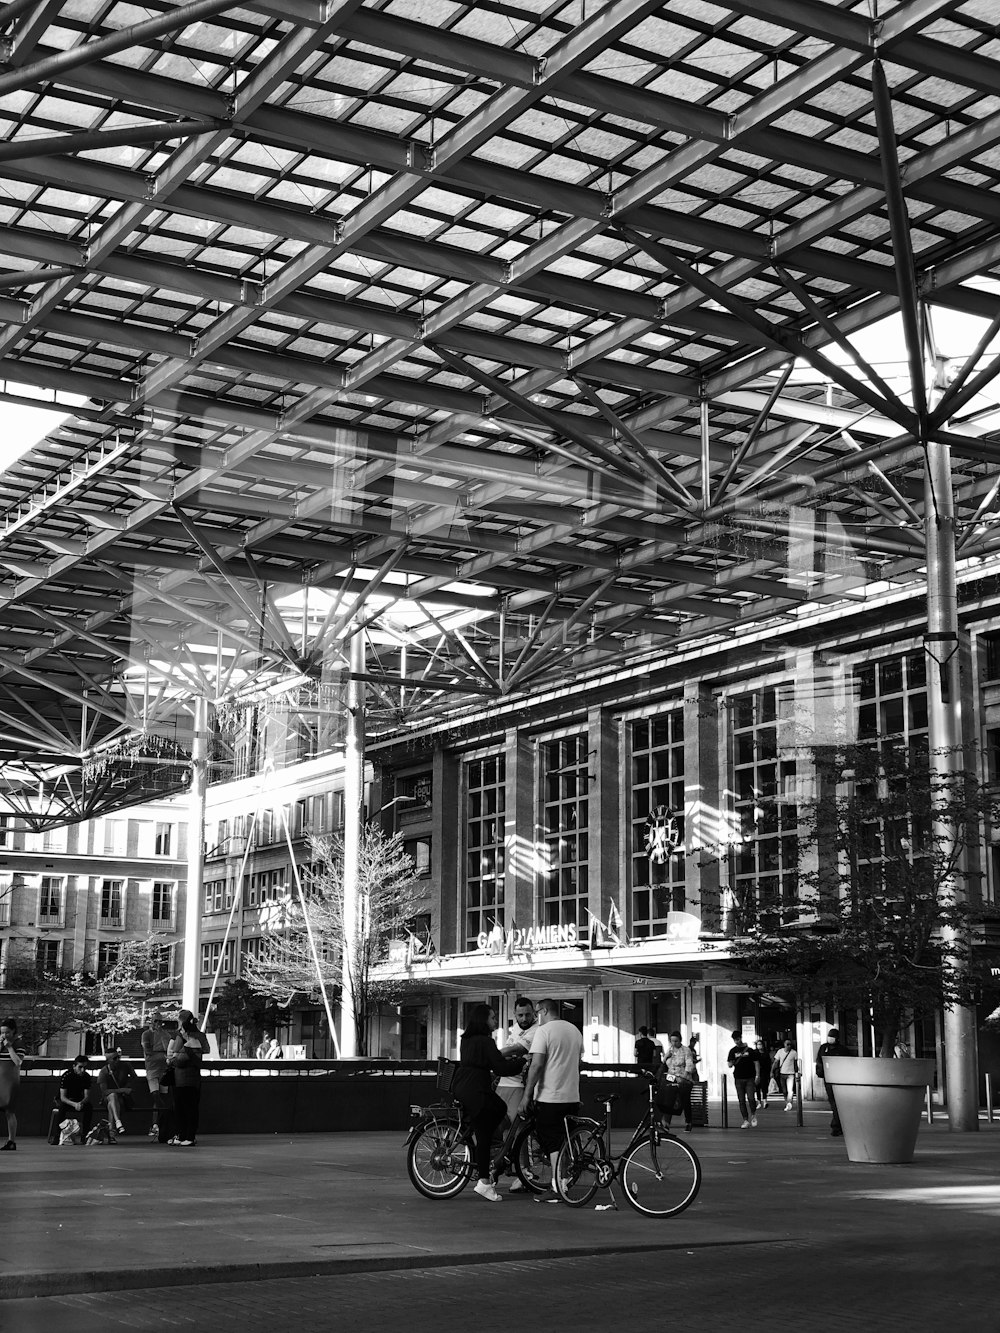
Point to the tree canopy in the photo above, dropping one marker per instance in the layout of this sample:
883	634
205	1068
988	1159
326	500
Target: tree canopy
388	900
888	891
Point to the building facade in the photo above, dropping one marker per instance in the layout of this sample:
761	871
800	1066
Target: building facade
608	843
70	896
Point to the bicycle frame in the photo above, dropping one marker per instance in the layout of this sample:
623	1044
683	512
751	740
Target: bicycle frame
644	1130
451	1113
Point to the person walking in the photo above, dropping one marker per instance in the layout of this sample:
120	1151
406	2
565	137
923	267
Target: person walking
184	1056
784	1069
763	1072
831	1046
645	1051
675	1079
155	1044
744	1063
12	1057
478	1062
553	1079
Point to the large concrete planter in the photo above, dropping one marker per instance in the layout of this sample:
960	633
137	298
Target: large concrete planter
880	1104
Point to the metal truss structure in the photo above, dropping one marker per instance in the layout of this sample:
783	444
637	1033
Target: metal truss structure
516	336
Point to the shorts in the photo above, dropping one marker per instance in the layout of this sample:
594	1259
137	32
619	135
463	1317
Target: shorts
550	1129
154	1081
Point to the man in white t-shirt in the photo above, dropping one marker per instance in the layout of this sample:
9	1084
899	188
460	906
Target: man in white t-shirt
553	1079
511	1086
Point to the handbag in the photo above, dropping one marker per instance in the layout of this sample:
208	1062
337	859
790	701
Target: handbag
167	1078
69	1132
773	1087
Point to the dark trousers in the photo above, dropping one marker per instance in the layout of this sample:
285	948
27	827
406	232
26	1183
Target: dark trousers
484	1124
835	1121
746	1095
186	1103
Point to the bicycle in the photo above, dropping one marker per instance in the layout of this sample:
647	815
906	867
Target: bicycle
660	1174
440	1158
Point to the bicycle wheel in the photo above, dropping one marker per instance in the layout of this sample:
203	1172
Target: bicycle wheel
578	1166
439	1161
530	1162
661	1179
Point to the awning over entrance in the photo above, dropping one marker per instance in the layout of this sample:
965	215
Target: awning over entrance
651	963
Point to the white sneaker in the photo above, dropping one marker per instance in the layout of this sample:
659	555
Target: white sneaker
745	1125
516	1187
788	1106
484	1188
753	1121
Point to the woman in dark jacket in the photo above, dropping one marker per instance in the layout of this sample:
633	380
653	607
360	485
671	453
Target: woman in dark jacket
479	1061
184	1056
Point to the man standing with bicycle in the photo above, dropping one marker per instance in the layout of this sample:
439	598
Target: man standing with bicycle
511	1088
553	1079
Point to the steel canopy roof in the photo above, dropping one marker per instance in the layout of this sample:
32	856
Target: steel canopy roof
528	319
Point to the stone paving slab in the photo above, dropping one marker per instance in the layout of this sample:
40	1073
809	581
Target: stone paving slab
255	1207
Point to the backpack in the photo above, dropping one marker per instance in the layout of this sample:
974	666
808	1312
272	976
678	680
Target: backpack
99	1135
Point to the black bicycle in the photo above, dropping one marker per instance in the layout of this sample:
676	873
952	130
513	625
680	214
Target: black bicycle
660	1174
440	1156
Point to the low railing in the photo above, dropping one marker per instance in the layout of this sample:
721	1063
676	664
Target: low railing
304	1096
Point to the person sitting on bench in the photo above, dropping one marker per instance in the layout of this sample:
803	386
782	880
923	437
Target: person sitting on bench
115	1085
73	1097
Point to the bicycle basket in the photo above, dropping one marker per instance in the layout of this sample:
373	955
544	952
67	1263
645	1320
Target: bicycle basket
446	1070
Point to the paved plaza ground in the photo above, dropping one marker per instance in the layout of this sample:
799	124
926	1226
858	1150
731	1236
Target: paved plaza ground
326	1231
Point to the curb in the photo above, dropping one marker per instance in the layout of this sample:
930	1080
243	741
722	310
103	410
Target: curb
18	1286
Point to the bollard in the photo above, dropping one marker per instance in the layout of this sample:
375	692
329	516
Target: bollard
724	1109
930	1107
989	1098
799	1122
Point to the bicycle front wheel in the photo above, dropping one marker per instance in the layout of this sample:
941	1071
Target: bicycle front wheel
661	1179
530	1162
578	1166
439	1161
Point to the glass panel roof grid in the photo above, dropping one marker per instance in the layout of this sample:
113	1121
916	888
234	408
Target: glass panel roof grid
429	256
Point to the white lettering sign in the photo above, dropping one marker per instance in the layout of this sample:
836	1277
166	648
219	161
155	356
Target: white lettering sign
524	941
683	926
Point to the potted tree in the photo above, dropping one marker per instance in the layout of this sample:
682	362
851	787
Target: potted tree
878	927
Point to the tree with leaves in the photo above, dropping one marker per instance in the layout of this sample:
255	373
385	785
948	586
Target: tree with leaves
889	891
388	899
47	1003
240	1009
133	980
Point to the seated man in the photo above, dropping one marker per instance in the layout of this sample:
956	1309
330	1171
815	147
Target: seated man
115	1085
73	1097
